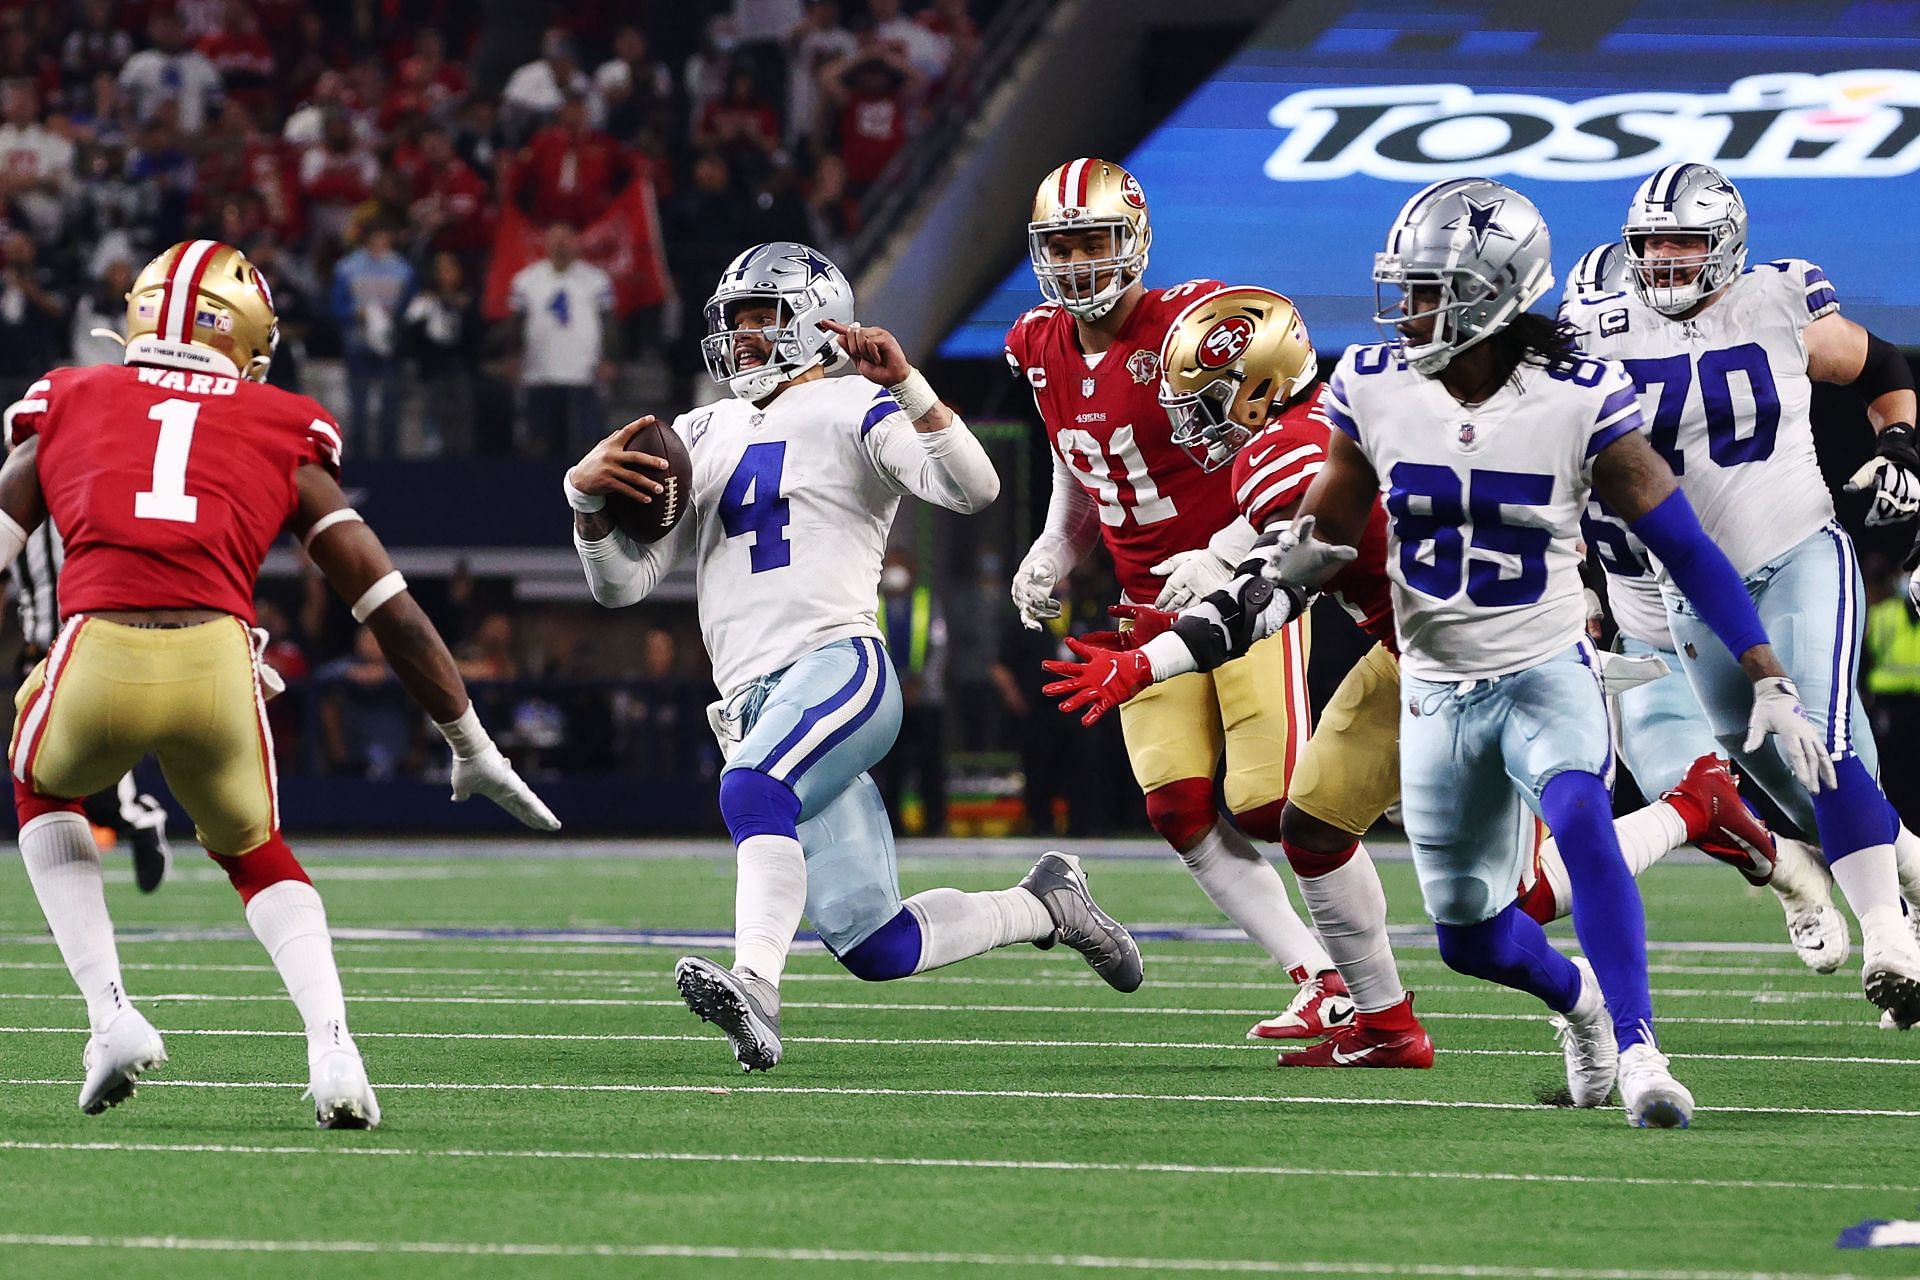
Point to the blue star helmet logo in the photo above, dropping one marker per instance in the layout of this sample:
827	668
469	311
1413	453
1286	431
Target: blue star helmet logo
1481	222
812	263
1724	187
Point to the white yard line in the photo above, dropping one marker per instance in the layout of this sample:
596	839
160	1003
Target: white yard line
955	1162
1039	1095
886	1257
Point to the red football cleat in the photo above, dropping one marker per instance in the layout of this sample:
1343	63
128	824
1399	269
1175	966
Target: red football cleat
1719	824
1401	1042
1321	1008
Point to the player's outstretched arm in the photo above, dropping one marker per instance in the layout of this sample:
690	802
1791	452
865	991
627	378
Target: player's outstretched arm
358	567
1637	483
1331	521
21	505
1840	351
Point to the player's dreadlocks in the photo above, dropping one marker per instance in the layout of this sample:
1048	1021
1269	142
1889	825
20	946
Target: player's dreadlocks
1538	339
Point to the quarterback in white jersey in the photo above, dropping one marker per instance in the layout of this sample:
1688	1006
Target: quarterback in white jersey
1725	357
795	484
1485	431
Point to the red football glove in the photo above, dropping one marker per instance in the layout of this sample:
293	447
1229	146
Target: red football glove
1100	681
1147	621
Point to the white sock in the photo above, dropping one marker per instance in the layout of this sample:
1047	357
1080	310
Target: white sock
1554	871
1650	834
1866	876
1800	874
1249	891
1350	911
64	865
291	923
768	898
955	926
1906	859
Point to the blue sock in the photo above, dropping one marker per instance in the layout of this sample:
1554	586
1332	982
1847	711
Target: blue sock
1512	950
1606	903
1853	814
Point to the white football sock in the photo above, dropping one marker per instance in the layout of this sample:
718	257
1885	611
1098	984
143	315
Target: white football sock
768	898
1554	871
1800	874
955	926
1350	911
1906	859
64	865
1650	834
291	923
1866	876
1249	891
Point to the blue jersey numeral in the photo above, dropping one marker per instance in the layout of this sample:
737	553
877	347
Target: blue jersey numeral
1726	444
1433	541
751	503
1608	537
561	306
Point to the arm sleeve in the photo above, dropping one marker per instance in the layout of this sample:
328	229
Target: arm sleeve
621	571
1073	520
1702	572
948	468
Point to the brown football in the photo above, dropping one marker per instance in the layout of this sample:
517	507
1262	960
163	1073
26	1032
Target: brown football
652	521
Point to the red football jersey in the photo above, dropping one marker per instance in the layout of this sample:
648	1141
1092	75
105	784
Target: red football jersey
1106	423
168	486
1273	471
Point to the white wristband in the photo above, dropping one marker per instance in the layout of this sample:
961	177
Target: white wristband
585	503
467	736
915	394
13	539
1168	656
384	589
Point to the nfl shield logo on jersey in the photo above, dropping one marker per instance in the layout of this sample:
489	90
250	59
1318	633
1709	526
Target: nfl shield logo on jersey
1467	435
1086	387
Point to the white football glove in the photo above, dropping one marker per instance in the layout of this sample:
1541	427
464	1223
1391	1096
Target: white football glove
1777	711
480	770
1033	584
1296	557
1896	491
1191	576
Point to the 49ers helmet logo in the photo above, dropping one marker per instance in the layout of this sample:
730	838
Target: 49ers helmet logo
1131	193
1225	343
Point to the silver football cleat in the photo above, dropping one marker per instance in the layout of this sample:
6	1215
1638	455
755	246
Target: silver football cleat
745	1006
1080	923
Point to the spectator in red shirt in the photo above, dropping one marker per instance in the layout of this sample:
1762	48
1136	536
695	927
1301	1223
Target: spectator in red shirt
570	172
449	200
335	176
872	88
740	126
242	56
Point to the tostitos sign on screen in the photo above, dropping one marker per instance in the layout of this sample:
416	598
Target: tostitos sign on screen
1285	168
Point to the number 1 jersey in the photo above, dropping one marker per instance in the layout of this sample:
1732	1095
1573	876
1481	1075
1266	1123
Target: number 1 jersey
168	486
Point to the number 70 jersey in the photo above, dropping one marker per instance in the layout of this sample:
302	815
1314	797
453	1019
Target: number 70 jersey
168	486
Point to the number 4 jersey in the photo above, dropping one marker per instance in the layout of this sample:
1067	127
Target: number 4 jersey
1726	398
168	486
1106	426
1483	503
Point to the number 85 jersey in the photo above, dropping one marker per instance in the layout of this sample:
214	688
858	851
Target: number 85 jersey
168	486
1483	503
1726	397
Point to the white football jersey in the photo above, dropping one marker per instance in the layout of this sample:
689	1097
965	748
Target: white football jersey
790	517
1483	503
1633	577
1726	398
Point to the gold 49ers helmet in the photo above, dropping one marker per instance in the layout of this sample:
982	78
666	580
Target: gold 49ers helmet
201	305
1089	195
1230	361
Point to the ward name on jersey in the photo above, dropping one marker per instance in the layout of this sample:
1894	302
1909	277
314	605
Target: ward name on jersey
1483	503
1726	397
1106	426
1273	471
168	486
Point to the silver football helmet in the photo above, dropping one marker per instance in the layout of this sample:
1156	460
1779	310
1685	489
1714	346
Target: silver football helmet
805	288
1603	269
1689	199
1482	245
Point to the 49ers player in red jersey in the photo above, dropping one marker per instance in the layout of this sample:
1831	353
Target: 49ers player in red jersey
170	476
1238	375
1091	354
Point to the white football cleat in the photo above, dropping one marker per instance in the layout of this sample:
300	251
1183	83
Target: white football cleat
116	1058
1653	1098
1585	1033
342	1096
1891	979
1804	887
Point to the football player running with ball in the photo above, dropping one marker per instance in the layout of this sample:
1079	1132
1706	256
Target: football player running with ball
1091	355
1501	705
171	476
1693	327
1261	406
795	484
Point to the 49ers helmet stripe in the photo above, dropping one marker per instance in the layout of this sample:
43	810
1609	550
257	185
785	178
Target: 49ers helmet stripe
183	287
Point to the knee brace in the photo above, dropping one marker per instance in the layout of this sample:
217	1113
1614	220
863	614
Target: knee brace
29	804
889	952
262	866
1263	822
1182	811
757	804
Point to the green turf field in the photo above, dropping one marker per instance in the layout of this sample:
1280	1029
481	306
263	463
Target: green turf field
551	1108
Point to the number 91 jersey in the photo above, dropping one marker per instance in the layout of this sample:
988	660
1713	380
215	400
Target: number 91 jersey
1726	396
1106	425
1483	503
168	486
